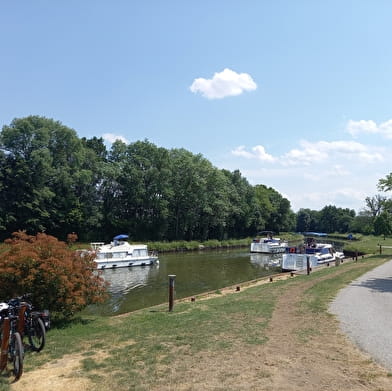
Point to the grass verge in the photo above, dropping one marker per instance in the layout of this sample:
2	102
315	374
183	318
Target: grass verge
139	350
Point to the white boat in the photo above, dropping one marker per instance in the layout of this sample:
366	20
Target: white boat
264	242
119	253
296	258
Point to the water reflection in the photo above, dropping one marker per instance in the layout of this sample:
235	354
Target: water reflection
123	280
196	272
266	260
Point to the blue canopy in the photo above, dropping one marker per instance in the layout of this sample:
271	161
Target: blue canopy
120	237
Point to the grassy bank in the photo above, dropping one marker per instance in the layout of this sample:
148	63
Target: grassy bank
151	348
364	244
193	245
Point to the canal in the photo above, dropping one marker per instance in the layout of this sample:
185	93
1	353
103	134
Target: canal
196	272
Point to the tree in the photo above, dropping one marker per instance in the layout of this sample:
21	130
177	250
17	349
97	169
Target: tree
244	216
58	278
375	204
383	224
51	181
333	219
188	186
307	220
385	184
363	223
49	178
135	190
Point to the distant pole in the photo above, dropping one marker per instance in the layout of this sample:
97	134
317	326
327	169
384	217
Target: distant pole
172	278
380	249
307	265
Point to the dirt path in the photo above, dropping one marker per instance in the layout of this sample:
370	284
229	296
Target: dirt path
304	352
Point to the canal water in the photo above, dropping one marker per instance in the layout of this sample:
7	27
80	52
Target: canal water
196	272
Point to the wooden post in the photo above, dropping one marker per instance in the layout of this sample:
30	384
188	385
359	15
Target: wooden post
172	278
380	249
307	265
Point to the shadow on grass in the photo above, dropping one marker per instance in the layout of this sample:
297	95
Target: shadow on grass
64	323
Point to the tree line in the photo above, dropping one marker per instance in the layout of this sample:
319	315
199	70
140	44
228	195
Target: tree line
374	218
52	181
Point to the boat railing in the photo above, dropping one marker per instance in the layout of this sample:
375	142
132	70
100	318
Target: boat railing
96	245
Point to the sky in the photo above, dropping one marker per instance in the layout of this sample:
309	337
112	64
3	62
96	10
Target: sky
296	95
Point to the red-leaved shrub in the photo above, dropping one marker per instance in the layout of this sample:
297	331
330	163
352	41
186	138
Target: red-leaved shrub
59	279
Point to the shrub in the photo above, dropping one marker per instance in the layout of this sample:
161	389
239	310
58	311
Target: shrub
59	279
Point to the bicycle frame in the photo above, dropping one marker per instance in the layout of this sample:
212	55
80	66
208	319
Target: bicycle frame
5	341
21	318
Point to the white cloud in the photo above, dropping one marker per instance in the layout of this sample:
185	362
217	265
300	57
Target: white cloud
320	151
341	197
318	173
369	127
339	170
223	84
311	153
258	152
111	138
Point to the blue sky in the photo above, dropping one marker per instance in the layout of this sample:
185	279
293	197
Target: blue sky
297	95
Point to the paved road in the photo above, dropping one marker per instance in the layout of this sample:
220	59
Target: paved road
364	309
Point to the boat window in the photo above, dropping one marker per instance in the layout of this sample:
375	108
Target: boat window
104	255
140	253
120	254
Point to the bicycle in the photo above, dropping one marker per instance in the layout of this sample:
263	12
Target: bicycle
31	323
11	341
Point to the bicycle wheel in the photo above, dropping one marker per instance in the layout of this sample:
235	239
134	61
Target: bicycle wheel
37	334
16	355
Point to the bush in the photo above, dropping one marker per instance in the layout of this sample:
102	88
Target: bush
59	279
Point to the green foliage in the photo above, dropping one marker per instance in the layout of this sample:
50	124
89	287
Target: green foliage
329	219
59	279
49	179
52	181
383	224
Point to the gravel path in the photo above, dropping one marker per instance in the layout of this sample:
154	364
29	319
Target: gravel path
364	309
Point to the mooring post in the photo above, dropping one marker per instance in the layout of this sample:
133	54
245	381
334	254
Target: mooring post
172	278
380	249
307	265
356	256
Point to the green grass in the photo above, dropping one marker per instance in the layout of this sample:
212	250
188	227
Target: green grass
146	340
136	349
368	244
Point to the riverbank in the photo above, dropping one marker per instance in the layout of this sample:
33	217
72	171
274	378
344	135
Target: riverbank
359	244
270	336
194	245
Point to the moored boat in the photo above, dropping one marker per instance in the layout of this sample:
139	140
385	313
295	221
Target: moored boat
265	243
119	253
296	258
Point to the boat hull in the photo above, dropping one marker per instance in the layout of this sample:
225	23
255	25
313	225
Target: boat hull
267	248
130	262
299	262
